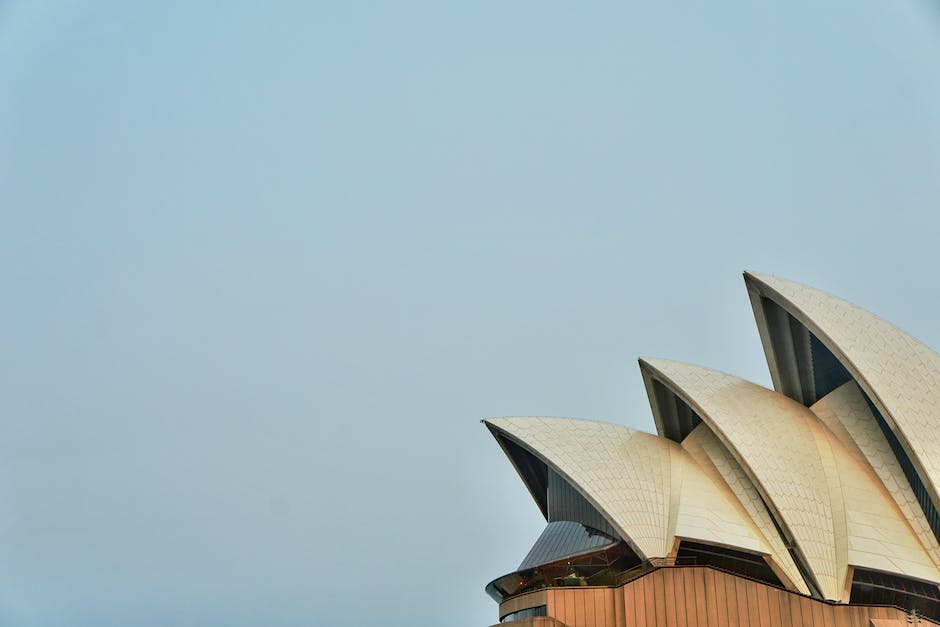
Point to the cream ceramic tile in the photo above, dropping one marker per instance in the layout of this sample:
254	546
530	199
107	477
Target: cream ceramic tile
649	488
770	438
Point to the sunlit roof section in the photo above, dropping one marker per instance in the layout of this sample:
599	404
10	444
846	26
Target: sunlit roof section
847	415
816	342
650	489
827	501
770	436
715	458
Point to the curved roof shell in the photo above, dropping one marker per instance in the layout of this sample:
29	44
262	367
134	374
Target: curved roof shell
710	453
848	416
898	374
825	499
837	470
649	488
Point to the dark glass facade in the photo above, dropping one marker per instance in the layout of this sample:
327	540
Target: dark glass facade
874	588
791	349
808	370
565	503
678	418
534	472
565	538
737	562
828	371
913	477
598	568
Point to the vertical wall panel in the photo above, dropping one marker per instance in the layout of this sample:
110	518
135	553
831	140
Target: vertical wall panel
570	609
670	597
659	594
753	611
752	592
818	620
600	607
786	617
678	584
610	609
619	612
731	601
790	609
860	616
773	606
639	592
705	596
688	580
603	607
806	608
650	602
849	617
589	608
741	594
843	619
580	610
629	606
557	600
796	611
578	615
854	618
721	598
715	600
763	606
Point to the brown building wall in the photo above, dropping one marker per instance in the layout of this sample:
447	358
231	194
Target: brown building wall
523	601
701	597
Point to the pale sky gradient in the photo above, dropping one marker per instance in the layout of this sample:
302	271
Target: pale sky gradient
266	265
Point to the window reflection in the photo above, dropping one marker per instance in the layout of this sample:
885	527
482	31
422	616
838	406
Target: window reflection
598	568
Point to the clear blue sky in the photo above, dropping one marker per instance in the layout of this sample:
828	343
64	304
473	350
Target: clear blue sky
265	265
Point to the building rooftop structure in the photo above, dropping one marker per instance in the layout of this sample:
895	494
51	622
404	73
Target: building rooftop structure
816	502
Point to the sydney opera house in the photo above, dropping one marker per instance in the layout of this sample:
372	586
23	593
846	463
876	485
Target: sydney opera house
814	504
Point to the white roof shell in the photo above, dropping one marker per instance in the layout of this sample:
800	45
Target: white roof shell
818	490
648	488
900	375
846	414
825	497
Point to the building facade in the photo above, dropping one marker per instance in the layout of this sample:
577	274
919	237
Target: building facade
815	503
